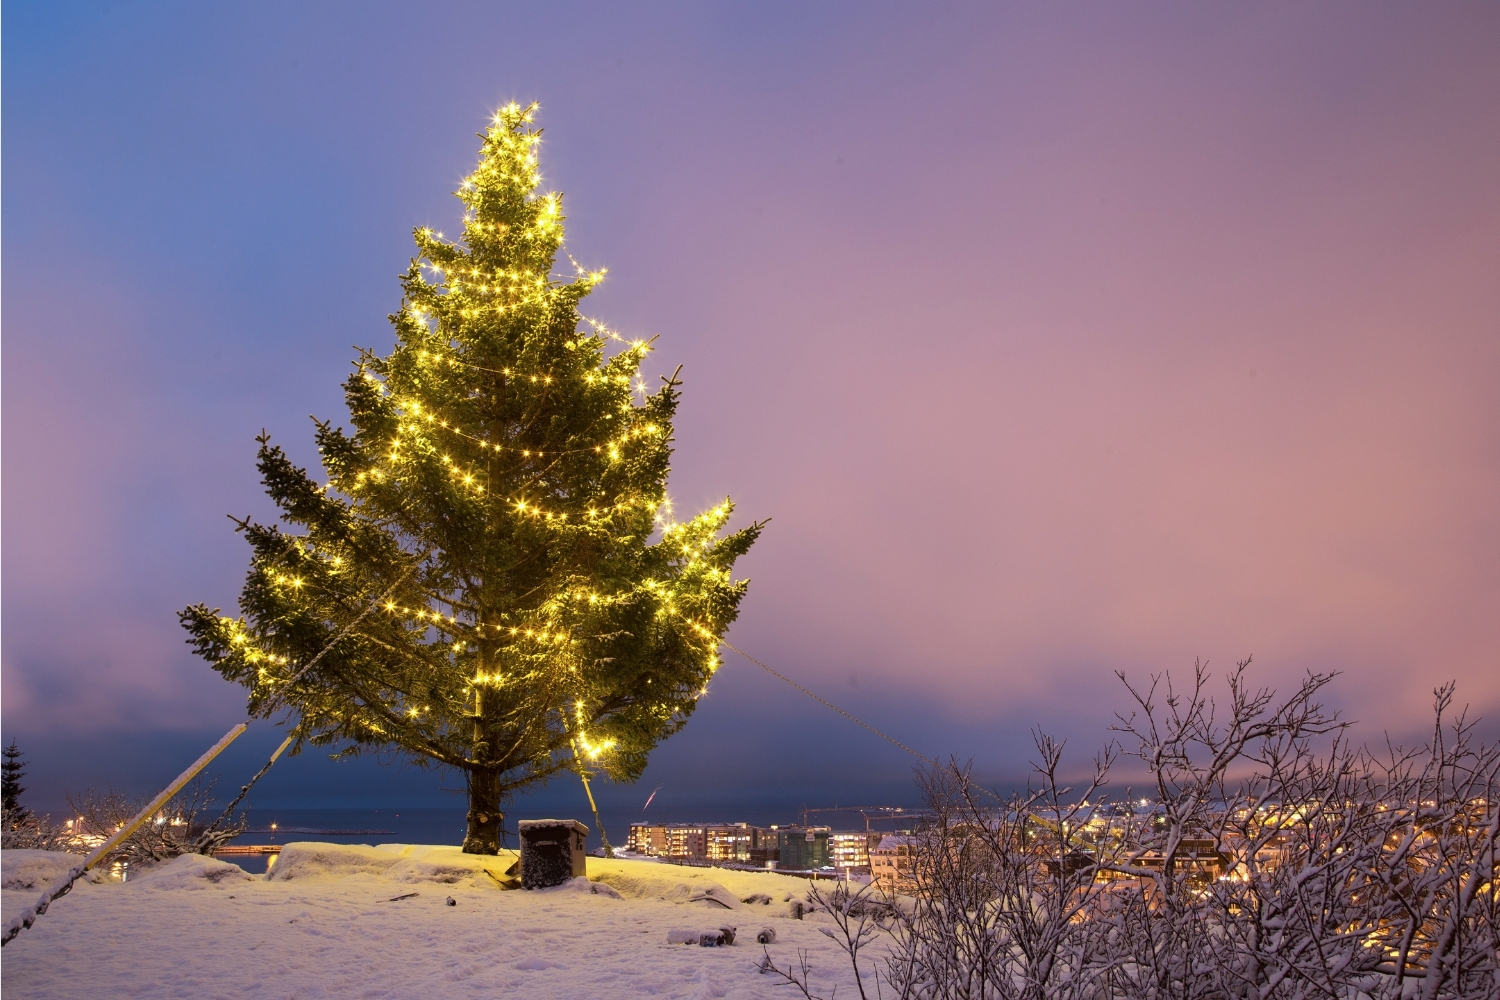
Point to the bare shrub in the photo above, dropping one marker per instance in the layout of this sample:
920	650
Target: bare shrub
1346	871
1003	890
23	830
181	826
859	917
1276	861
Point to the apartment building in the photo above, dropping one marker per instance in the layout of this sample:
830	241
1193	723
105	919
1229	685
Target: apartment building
851	851
685	841
891	864
803	848
723	842
794	848
647	839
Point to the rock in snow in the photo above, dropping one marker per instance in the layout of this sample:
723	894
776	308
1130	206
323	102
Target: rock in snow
711	938
716	895
322	926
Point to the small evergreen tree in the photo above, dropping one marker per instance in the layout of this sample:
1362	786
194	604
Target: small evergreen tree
502	499
12	770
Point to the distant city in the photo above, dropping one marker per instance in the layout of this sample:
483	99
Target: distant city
886	857
798	849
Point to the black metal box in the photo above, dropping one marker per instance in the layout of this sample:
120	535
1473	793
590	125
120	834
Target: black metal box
552	851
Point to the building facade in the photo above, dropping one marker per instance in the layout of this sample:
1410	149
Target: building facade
734	842
721	842
851	851
647	839
686	841
795	848
803	848
891	865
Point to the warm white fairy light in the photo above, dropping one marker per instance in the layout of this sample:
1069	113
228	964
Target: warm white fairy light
503	419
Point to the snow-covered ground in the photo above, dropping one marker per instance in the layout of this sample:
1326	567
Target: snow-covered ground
326	923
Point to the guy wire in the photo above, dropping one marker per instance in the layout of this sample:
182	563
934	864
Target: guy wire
828	704
856	720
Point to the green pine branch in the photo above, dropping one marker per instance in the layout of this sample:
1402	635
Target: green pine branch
556	603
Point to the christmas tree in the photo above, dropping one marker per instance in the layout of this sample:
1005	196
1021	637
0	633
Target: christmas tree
501	504
11	773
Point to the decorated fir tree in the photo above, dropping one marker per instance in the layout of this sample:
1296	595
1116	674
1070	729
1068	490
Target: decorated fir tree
501	502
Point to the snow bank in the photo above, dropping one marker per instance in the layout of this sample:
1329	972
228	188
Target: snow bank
190	871
761	893
34	870
718	888
402	862
353	921
582	884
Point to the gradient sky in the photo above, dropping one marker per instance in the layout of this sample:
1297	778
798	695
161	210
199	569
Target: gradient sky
1054	340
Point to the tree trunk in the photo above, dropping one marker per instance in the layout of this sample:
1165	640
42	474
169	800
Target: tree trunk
483	833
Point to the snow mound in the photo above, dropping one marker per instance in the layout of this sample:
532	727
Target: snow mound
713	937
583	885
34	869
716	896
707	888
442	871
303	860
534	964
398	862
717	888
191	871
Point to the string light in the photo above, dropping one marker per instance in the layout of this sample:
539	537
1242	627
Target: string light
464	388
591	749
413	409
696	554
549	632
591	377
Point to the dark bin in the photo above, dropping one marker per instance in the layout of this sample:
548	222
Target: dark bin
551	851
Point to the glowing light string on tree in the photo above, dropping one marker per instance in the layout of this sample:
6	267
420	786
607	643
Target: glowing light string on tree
608	447
434	356
547	631
501	430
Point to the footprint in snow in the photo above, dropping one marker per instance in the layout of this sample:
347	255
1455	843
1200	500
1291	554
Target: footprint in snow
537	964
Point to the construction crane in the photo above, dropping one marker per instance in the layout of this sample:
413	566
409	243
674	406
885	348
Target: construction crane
870	814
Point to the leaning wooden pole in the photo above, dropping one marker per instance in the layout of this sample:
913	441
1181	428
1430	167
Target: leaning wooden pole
609	851
245	789
28	916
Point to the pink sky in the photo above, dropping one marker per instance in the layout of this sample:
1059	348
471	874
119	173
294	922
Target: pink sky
1054	341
